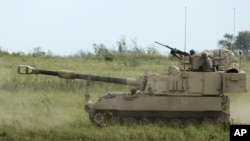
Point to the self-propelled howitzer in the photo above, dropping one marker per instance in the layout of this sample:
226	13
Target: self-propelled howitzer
175	97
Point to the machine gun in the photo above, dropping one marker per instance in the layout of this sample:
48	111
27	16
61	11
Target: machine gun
175	52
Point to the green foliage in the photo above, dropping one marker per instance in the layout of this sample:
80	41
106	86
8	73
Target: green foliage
152	51
227	42
123	50
3	53
101	50
118	133
38	52
241	42
122	45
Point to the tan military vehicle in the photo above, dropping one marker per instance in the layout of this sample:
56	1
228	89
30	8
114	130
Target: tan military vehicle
186	95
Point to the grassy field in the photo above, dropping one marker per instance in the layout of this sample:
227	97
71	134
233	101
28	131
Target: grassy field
46	108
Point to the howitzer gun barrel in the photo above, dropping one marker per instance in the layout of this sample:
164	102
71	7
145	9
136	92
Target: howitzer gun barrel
24	69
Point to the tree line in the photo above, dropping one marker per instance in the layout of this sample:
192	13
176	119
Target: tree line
240	42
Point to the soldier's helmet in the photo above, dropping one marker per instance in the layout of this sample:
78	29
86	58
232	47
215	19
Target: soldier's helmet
192	52
204	55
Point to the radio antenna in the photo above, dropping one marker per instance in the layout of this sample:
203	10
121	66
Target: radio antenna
240	59
185	36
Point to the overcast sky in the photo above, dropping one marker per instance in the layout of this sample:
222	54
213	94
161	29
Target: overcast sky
67	26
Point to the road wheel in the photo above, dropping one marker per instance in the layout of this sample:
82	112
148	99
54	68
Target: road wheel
208	121
145	121
160	122
191	122
221	120
99	118
176	123
129	122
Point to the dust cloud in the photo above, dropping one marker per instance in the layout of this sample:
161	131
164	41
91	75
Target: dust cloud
240	109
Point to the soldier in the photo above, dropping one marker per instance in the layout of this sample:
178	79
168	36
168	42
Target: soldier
191	52
207	63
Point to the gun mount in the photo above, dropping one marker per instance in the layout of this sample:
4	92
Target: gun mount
188	97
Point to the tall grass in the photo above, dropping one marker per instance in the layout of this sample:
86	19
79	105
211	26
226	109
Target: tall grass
48	108
119	133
